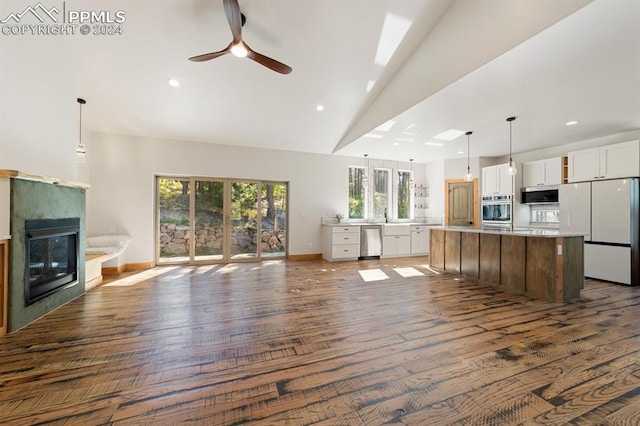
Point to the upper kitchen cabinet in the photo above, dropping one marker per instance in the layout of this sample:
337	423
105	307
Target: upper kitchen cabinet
542	172
606	162
496	180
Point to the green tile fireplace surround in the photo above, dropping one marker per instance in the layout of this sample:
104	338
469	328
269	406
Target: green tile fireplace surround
31	200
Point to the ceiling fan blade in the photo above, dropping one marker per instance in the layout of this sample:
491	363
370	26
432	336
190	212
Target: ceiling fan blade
210	56
232	10
267	61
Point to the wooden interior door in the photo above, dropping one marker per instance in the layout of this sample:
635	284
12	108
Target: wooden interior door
461	203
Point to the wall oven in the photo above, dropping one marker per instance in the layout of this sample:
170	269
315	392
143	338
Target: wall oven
497	210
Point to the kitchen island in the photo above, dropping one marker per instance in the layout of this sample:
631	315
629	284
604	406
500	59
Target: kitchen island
543	264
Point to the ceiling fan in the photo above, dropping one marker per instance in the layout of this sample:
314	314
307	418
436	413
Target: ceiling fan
237	46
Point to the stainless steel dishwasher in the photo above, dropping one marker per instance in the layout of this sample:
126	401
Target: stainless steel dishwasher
370	242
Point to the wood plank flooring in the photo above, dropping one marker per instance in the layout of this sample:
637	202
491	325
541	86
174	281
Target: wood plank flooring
310	342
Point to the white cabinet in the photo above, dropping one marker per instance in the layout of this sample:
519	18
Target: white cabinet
495	180
606	162
396	240
419	239
341	242
542	172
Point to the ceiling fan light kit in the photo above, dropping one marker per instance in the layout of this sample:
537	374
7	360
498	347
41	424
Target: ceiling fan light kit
238	47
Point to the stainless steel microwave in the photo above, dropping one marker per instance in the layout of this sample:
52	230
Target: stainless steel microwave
537	195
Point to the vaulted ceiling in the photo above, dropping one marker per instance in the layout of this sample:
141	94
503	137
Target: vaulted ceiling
462	64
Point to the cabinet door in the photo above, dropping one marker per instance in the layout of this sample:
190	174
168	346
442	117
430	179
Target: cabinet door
505	180
389	245
553	171
584	165
489	180
620	160
403	245
419	242
533	173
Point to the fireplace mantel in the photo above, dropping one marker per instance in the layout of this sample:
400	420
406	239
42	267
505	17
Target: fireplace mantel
16	174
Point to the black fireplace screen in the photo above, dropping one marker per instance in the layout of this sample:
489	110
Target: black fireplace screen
51	256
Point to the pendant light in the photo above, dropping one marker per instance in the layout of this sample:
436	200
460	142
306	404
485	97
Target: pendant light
468	177
80	149
411	182
365	178
512	167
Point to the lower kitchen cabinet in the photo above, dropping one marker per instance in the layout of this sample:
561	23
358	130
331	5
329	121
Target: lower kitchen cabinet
396	245
340	242
4	285
419	239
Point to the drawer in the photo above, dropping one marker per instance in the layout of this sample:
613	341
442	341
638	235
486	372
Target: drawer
421	228
345	252
346	228
396	230
341	238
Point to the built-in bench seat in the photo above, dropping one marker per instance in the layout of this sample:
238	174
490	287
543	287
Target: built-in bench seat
101	249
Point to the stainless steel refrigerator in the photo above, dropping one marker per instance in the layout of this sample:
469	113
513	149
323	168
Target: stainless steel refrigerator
607	212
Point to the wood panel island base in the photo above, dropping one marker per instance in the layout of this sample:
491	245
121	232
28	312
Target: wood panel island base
543	264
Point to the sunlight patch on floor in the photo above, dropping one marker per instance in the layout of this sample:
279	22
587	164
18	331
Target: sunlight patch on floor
408	272
140	277
373	275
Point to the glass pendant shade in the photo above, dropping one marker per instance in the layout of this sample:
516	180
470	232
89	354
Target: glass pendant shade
411	182
511	170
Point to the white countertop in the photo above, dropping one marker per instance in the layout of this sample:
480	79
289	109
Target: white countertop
5	237
548	233
380	223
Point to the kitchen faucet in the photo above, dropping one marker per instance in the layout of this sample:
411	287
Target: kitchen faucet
386	217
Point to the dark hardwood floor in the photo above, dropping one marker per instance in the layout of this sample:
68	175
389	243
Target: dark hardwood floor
292	343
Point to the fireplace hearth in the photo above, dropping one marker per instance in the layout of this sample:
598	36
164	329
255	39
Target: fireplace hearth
51	257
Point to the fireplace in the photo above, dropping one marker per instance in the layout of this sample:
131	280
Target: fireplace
51	257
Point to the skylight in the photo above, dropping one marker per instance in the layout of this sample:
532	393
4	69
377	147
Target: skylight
385	127
449	135
393	31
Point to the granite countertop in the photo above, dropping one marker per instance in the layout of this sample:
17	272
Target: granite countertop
549	233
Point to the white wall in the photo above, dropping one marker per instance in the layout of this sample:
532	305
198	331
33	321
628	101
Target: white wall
121	198
38	108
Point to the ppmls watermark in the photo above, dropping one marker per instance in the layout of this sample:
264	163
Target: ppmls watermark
43	20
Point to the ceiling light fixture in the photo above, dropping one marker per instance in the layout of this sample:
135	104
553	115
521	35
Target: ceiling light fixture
434	144
80	149
468	177
173	82
320	108
411	182
512	167
571	123
365	178
239	50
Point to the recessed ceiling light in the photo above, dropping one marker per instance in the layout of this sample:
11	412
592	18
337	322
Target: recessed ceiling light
571	123
460	152
433	144
320	108
411	126
373	135
449	135
173	82
385	127
396	143
404	140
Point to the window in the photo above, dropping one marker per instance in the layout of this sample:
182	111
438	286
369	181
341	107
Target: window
404	195
356	193
381	190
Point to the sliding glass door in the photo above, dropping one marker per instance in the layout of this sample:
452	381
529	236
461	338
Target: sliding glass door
209	220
